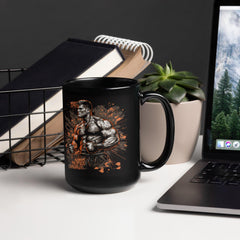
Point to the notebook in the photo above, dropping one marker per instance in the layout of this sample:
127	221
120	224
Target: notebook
212	185
72	58
137	56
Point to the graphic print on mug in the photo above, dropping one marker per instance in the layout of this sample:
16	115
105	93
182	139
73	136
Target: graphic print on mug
95	135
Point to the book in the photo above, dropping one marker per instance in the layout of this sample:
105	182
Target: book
137	55
35	95
41	139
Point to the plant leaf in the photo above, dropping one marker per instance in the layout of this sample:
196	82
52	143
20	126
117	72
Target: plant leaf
152	79
155	86
151	87
159	68
151	74
167	70
170	66
142	80
177	76
187	75
188	83
167	84
145	88
176	95
197	93
185	99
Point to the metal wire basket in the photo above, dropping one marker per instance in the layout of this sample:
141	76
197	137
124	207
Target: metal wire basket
47	154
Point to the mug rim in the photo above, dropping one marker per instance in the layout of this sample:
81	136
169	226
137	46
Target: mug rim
110	83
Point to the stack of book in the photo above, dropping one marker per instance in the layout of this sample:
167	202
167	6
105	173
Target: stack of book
31	116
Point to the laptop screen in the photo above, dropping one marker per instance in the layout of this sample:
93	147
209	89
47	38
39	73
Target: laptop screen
225	115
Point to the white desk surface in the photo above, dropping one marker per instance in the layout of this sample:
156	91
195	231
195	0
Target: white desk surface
37	204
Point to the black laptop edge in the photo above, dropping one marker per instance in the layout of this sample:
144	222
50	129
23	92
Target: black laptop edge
167	201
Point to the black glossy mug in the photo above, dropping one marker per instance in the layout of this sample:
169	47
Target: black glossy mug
101	133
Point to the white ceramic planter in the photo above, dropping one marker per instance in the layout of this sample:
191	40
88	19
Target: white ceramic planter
153	130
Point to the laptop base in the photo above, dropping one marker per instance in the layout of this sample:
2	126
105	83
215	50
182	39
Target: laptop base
185	195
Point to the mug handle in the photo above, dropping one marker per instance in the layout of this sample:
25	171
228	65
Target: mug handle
169	135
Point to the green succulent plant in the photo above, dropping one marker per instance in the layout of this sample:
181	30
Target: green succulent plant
177	87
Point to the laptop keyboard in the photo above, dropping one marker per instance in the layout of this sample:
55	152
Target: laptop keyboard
220	174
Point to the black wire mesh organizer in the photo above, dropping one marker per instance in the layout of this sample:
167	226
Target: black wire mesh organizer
48	154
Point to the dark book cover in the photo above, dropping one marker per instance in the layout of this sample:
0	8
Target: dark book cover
66	61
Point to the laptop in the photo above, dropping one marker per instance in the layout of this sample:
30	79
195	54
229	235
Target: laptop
212	185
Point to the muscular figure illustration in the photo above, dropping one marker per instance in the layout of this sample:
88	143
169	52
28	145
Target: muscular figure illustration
92	135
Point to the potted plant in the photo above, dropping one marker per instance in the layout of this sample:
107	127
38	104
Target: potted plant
183	91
